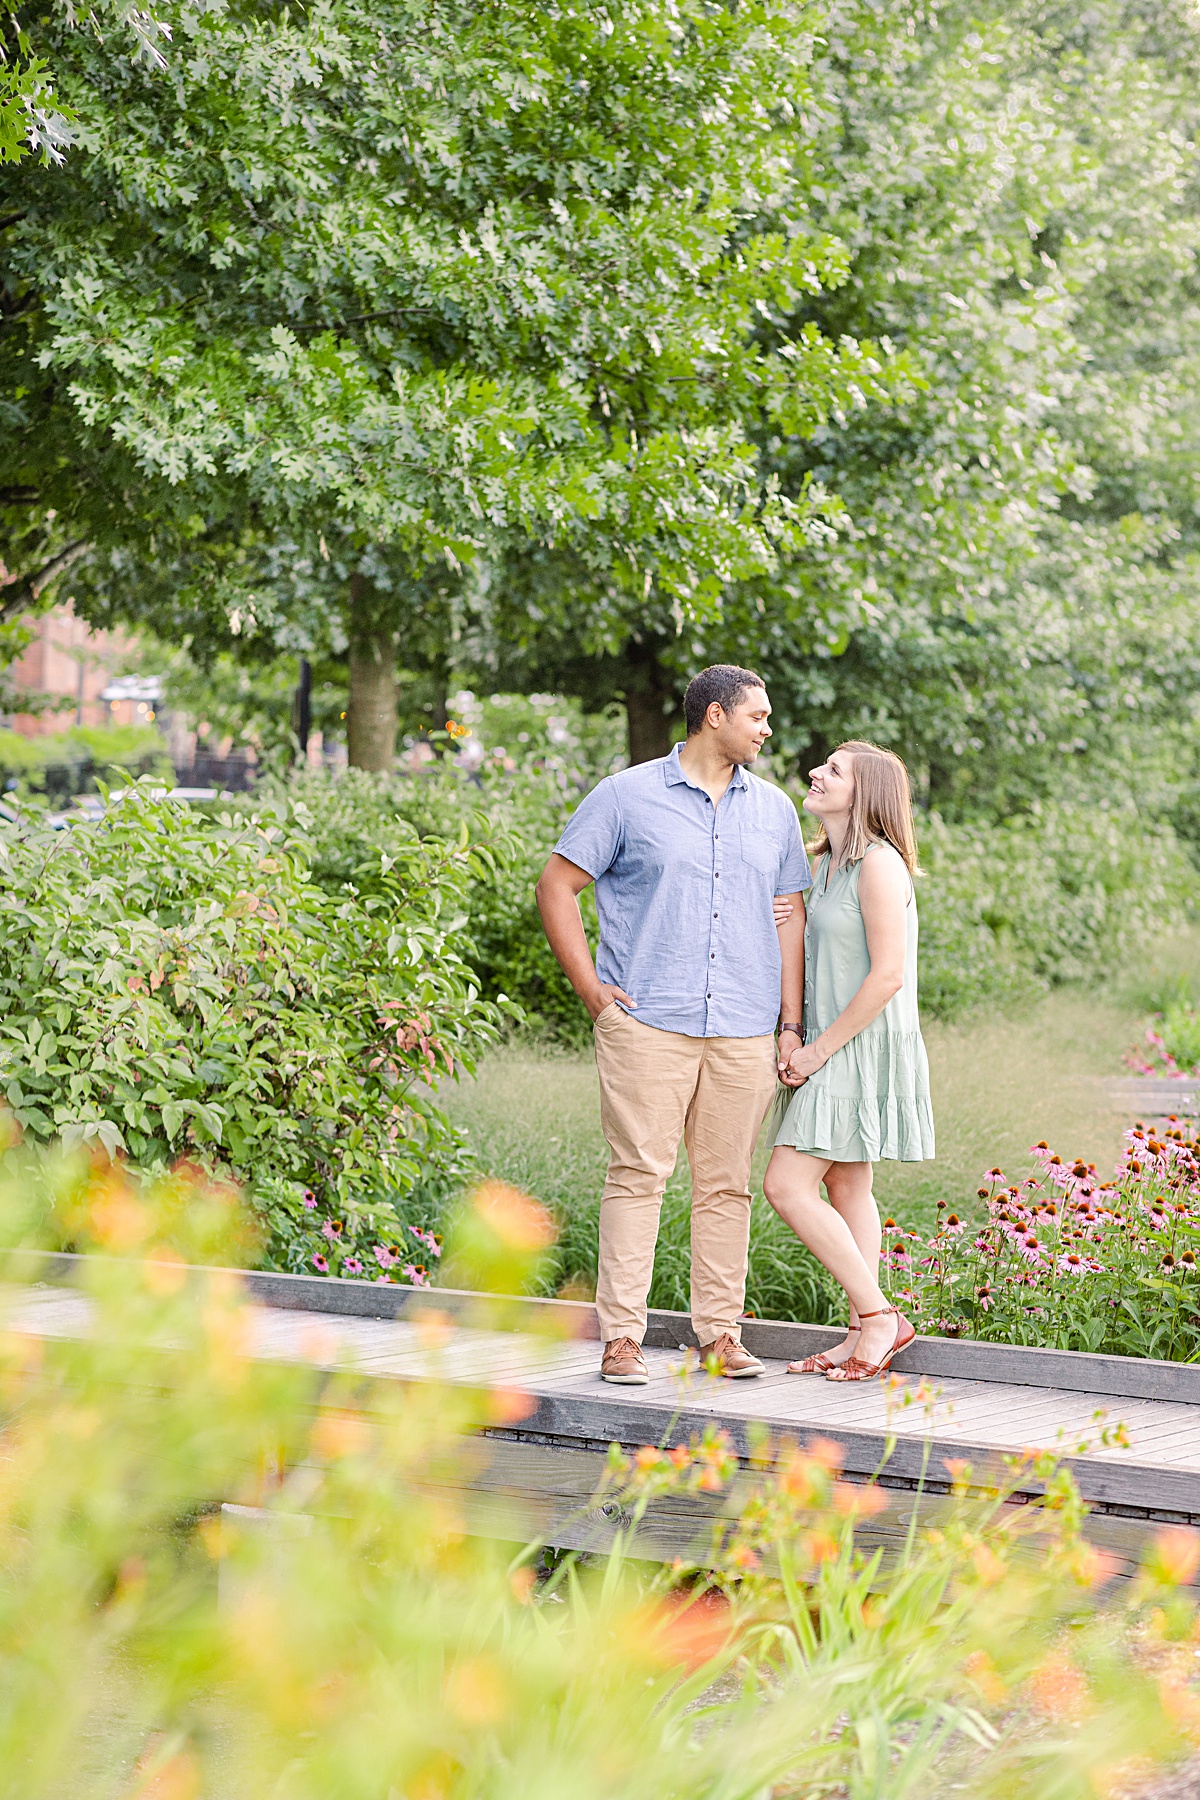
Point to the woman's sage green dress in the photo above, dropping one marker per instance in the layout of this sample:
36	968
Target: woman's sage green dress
871	1100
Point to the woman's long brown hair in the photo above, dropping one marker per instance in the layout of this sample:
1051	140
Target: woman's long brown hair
881	811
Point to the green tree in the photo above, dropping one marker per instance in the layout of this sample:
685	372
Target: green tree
1010	597
405	286
1018	186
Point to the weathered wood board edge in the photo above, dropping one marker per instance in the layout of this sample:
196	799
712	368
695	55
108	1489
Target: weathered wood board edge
518	1485
1131	1378
582	1416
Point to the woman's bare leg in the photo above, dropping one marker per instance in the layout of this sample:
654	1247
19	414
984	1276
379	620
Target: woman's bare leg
792	1186
849	1186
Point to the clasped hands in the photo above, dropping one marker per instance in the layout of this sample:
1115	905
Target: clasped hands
797	1061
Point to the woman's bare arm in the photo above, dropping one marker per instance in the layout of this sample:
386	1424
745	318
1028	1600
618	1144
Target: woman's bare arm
883	888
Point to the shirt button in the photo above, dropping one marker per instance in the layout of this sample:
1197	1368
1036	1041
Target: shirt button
712	956
716	874
716	915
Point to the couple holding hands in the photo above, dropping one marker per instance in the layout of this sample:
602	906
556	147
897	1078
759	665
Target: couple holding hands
729	976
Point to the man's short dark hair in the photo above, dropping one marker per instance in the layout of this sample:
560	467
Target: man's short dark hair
723	684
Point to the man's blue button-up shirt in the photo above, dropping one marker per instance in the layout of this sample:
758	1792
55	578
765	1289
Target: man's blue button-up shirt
684	891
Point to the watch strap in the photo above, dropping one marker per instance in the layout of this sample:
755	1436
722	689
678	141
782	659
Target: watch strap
798	1029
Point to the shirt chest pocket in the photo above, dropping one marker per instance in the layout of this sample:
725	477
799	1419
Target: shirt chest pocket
760	849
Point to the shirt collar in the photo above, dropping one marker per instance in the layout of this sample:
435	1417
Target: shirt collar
675	774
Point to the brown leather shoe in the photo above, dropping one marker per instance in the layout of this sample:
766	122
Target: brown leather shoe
623	1362
733	1360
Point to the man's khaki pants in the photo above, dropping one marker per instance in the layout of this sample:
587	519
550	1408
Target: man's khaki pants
656	1087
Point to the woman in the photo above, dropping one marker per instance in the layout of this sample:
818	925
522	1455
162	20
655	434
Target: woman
858	1088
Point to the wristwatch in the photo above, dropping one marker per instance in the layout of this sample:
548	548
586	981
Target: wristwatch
798	1029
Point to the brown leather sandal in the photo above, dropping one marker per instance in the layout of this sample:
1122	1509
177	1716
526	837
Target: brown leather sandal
819	1364
855	1369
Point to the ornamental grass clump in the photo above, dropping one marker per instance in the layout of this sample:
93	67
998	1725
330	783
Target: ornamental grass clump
1065	1260
335	1632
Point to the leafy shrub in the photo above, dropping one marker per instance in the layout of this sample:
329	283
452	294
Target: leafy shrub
1067	1261
176	985
336	1636
67	762
1171	1047
515	814
1005	909
1181	1035
1057	896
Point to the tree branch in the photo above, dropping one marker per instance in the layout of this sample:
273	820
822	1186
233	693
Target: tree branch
394	312
28	589
23	305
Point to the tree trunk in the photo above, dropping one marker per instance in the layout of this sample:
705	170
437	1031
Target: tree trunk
818	750
441	708
371	714
650	705
303	709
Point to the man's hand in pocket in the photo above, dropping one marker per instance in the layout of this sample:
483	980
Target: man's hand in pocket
604	996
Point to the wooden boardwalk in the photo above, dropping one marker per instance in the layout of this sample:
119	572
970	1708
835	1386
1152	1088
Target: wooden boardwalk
967	1402
1154	1096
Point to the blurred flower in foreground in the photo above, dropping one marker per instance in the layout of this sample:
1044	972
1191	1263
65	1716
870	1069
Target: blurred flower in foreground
335	1632
497	1241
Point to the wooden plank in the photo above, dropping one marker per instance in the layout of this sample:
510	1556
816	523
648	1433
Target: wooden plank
970	1419
1158	1451
778	1340
1112	1482
557	1489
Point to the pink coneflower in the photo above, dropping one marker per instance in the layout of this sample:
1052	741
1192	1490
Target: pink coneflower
386	1258
331	1229
1072	1264
954	1226
415	1275
310	1200
320	1265
352	1266
431	1242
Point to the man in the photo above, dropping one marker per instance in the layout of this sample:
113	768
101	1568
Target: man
687	853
